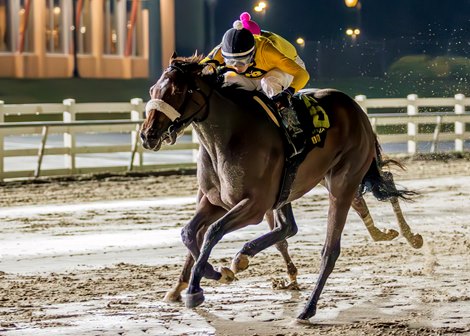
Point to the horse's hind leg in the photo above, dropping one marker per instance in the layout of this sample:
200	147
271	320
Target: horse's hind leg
360	206
415	240
282	224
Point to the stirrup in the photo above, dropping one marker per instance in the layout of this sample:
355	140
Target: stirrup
292	130
296	143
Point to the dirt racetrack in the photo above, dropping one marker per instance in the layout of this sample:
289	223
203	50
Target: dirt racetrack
95	256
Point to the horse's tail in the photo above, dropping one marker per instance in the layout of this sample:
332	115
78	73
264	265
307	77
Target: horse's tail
381	183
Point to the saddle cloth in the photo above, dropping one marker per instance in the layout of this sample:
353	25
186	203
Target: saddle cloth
312	117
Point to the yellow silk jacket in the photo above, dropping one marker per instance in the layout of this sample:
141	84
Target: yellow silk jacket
269	56
281	43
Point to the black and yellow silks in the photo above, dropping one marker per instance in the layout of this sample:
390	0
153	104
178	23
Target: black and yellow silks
319	117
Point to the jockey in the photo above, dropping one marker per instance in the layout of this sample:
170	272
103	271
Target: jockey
254	63
278	41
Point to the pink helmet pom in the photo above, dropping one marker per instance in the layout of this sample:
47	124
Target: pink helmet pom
245	16
252	26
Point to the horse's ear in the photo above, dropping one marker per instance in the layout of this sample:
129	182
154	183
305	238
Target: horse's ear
173	56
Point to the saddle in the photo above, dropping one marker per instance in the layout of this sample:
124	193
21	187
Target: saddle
313	121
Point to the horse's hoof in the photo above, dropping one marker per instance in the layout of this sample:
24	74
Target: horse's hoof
302	321
391	234
239	263
305	316
416	241
172	296
227	275
194	299
292	272
293	285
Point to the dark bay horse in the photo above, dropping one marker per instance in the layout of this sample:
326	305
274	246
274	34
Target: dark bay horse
239	170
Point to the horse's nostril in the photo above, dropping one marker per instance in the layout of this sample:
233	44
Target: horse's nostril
142	136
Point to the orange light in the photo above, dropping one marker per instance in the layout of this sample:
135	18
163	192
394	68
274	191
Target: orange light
300	41
353	32
351	3
261	6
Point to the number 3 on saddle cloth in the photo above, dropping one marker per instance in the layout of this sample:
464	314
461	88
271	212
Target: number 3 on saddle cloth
313	120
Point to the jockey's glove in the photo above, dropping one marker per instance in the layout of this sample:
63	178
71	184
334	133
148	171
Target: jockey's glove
283	98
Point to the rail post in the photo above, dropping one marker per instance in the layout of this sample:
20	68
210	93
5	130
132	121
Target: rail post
435	137
42	147
361	100
459	125
195	140
69	136
2	120
411	110
137	113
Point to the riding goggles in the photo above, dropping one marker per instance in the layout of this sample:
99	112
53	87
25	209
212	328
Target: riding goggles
243	61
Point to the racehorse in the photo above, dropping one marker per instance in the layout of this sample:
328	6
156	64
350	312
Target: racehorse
240	166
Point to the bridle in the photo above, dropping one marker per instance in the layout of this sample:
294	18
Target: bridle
177	122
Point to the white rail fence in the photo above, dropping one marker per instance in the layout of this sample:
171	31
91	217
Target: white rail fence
451	112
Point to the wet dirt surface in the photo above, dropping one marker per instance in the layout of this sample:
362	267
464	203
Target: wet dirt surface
95	256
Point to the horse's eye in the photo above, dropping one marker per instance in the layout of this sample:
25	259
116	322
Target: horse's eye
190	90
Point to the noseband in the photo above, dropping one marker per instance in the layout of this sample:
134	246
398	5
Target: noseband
177	122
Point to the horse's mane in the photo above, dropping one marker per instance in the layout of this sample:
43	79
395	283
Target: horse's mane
194	59
215	80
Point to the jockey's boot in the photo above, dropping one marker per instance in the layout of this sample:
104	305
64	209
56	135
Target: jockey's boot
294	134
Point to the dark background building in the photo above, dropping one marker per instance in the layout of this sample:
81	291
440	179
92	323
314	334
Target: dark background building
388	30
377	47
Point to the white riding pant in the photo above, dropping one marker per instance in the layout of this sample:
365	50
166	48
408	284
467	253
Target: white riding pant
273	82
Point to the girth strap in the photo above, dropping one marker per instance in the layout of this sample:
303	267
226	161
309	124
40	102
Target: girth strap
288	176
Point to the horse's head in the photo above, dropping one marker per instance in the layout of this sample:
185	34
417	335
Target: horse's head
176	101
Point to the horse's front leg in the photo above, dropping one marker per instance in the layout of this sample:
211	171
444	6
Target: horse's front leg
245	212
283	226
174	294
192	234
340	203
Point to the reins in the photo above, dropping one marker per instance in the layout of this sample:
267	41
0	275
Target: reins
179	123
